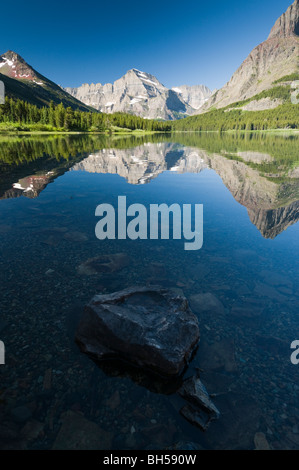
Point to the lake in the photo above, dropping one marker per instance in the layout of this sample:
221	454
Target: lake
243	284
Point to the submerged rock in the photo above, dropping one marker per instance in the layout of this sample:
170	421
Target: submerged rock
78	433
247	309
149	327
21	414
76	236
207	303
260	441
182	445
219	356
104	264
200	410
194	391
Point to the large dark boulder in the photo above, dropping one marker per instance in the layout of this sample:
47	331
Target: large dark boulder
149	327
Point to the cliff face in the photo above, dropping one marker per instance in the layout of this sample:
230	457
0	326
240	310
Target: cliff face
195	95
288	24
275	58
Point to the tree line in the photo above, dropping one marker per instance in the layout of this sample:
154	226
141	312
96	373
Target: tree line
21	115
285	116
60	118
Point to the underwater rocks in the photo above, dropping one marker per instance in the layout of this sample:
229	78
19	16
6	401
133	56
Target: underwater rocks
200	410
207	303
78	433
149	327
76	236
219	356
247	309
104	264
260	441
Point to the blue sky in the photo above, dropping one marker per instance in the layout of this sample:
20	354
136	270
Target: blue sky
189	42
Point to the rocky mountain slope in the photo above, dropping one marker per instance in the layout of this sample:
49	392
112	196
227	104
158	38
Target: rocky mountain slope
141	94
23	82
274	59
195	95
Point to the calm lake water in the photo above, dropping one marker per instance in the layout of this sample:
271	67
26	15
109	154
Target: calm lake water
51	395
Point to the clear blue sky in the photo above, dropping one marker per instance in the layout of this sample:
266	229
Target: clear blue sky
189	42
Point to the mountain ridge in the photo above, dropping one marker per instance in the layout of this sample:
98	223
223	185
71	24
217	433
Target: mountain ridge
138	93
273	59
23	82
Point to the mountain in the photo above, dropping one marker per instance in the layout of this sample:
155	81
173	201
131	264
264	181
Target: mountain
23	82
273	62
137	93
195	96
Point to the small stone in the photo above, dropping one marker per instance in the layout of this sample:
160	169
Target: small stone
181	445
21	414
78	433
114	401
295	429
9	431
50	271
3	325
76	236
200	410
218	356
206	303
47	381
32	430
260	441
104	264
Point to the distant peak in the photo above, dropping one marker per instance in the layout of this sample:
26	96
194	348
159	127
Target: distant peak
13	56
139	73
287	24
14	66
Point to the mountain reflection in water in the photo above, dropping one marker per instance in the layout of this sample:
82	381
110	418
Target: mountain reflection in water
266	184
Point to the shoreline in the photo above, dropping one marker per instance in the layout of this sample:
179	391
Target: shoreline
144	133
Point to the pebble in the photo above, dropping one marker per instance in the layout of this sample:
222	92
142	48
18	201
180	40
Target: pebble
50	271
21	414
133	430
